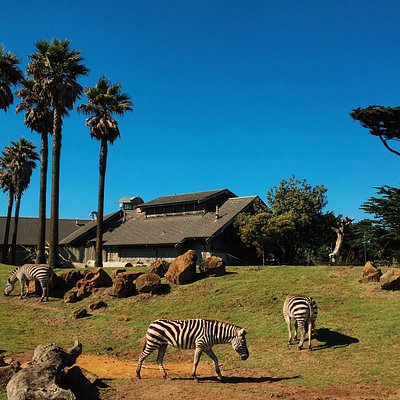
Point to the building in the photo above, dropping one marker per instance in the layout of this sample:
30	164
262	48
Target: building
27	234
166	227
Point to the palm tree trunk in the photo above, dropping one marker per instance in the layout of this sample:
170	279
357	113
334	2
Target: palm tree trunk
14	237
98	263
44	152
4	255
55	191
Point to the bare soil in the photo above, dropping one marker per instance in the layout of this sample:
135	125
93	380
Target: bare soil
237	384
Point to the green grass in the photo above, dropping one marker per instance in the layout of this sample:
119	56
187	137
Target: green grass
358	323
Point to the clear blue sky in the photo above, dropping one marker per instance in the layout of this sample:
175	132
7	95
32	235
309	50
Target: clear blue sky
228	94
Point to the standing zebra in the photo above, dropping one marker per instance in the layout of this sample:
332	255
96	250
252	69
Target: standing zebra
198	334
304	310
28	272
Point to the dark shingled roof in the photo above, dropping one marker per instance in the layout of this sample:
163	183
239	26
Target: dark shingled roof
28	229
198	197
90	226
172	230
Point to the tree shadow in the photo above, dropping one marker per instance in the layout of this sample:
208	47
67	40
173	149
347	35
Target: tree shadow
333	339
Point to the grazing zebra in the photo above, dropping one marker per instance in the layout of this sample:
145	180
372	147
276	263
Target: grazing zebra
28	272
304	310
198	334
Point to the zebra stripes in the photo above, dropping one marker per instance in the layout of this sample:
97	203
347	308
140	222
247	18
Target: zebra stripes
28	272
198	334
304	310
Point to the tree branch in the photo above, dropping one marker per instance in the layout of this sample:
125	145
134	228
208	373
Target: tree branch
387	146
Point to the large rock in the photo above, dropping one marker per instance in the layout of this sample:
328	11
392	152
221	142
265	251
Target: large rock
391	279
213	266
370	273
123	284
71	296
92	280
148	283
159	267
183	268
44	377
71	278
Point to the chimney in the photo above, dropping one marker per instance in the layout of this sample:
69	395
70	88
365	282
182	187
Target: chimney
217	216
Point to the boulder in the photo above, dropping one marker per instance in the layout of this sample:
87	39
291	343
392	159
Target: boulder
159	267
97	304
41	379
213	266
183	268
370	273
93	280
148	283
80	313
123	284
71	278
71	296
118	271
391	279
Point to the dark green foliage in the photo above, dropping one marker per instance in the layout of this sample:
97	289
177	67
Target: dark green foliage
293	226
10	75
381	121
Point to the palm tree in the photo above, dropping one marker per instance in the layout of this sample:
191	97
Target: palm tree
104	101
21	161
6	185
10	74
39	118
55	68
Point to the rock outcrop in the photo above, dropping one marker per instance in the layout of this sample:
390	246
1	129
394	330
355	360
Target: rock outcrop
213	266
43	379
370	273
183	268
124	284
148	283
159	267
391	279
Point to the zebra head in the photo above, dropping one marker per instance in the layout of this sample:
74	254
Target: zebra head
9	287
239	344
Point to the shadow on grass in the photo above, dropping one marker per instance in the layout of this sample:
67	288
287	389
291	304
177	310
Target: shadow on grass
333	339
239	379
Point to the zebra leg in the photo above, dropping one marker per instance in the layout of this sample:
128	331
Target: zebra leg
302	335
160	358
213	357
309	335
295	330
45	292
145	353
288	324
23	293
197	355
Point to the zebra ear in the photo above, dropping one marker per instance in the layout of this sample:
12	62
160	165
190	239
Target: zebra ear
242	332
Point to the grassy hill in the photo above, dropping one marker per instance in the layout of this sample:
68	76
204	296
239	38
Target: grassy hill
358	329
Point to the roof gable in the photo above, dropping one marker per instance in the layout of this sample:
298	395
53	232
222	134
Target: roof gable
138	230
198	197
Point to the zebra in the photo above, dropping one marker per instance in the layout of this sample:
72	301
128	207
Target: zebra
198	334
28	272
304	310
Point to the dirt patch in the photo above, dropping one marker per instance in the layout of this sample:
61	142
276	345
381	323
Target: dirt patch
237	384
106	367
